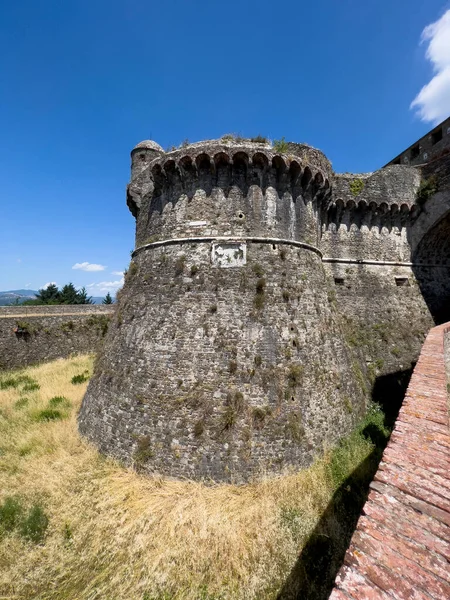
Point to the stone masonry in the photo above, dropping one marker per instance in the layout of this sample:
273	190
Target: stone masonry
33	334
264	296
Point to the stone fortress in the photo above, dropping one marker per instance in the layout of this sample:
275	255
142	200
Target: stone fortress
266	296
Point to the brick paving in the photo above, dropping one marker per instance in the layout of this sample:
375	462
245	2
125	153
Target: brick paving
401	545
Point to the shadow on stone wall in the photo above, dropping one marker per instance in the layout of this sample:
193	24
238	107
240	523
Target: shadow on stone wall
434	285
316	568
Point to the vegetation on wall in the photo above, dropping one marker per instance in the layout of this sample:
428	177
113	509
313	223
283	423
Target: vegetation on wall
356	186
281	146
427	188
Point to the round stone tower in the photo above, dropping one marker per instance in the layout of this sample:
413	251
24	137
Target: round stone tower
225	359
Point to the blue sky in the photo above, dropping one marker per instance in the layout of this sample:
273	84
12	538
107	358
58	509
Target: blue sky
82	81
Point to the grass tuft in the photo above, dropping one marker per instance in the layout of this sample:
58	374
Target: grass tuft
80	378
48	414
11	511
61	401
34	526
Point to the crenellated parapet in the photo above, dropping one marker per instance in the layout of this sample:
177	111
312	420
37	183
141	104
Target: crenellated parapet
223	187
393	185
360	214
384	199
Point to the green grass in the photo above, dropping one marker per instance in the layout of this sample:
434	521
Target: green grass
60	401
27	382
49	414
80	378
30	524
11	511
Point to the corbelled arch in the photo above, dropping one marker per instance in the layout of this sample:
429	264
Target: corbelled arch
434	210
431	260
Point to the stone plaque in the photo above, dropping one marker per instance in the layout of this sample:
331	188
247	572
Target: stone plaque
229	254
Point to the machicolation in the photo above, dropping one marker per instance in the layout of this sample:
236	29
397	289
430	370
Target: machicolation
235	348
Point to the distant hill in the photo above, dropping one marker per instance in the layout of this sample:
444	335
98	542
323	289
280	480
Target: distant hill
11	297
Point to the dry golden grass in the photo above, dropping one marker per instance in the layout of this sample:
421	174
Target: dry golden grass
115	534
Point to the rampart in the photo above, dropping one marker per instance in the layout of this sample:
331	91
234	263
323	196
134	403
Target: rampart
264	296
33	334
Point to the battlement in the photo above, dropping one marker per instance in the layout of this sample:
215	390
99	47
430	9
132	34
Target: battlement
225	164
391	185
349	212
151	151
227	187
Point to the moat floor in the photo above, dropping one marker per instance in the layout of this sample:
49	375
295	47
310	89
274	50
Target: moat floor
75	525
401	546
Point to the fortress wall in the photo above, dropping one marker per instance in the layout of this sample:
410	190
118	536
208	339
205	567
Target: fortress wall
391	185
369	215
369	236
223	373
384	314
27	339
230	356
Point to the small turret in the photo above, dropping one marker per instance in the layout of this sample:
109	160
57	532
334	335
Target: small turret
142	155
140	184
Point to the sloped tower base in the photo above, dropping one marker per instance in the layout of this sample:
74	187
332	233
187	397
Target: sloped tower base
222	373
225	359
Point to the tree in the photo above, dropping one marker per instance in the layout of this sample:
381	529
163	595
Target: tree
69	294
107	299
49	295
83	298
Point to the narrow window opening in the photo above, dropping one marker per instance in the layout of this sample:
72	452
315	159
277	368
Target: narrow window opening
436	136
415	151
401	281
339	281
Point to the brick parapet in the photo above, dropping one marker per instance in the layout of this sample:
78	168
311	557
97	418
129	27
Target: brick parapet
401	545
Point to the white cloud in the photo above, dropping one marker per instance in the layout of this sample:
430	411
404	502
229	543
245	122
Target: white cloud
85	266
433	101
45	286
117	273
105	286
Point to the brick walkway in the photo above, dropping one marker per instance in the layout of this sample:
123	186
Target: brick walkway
401	545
